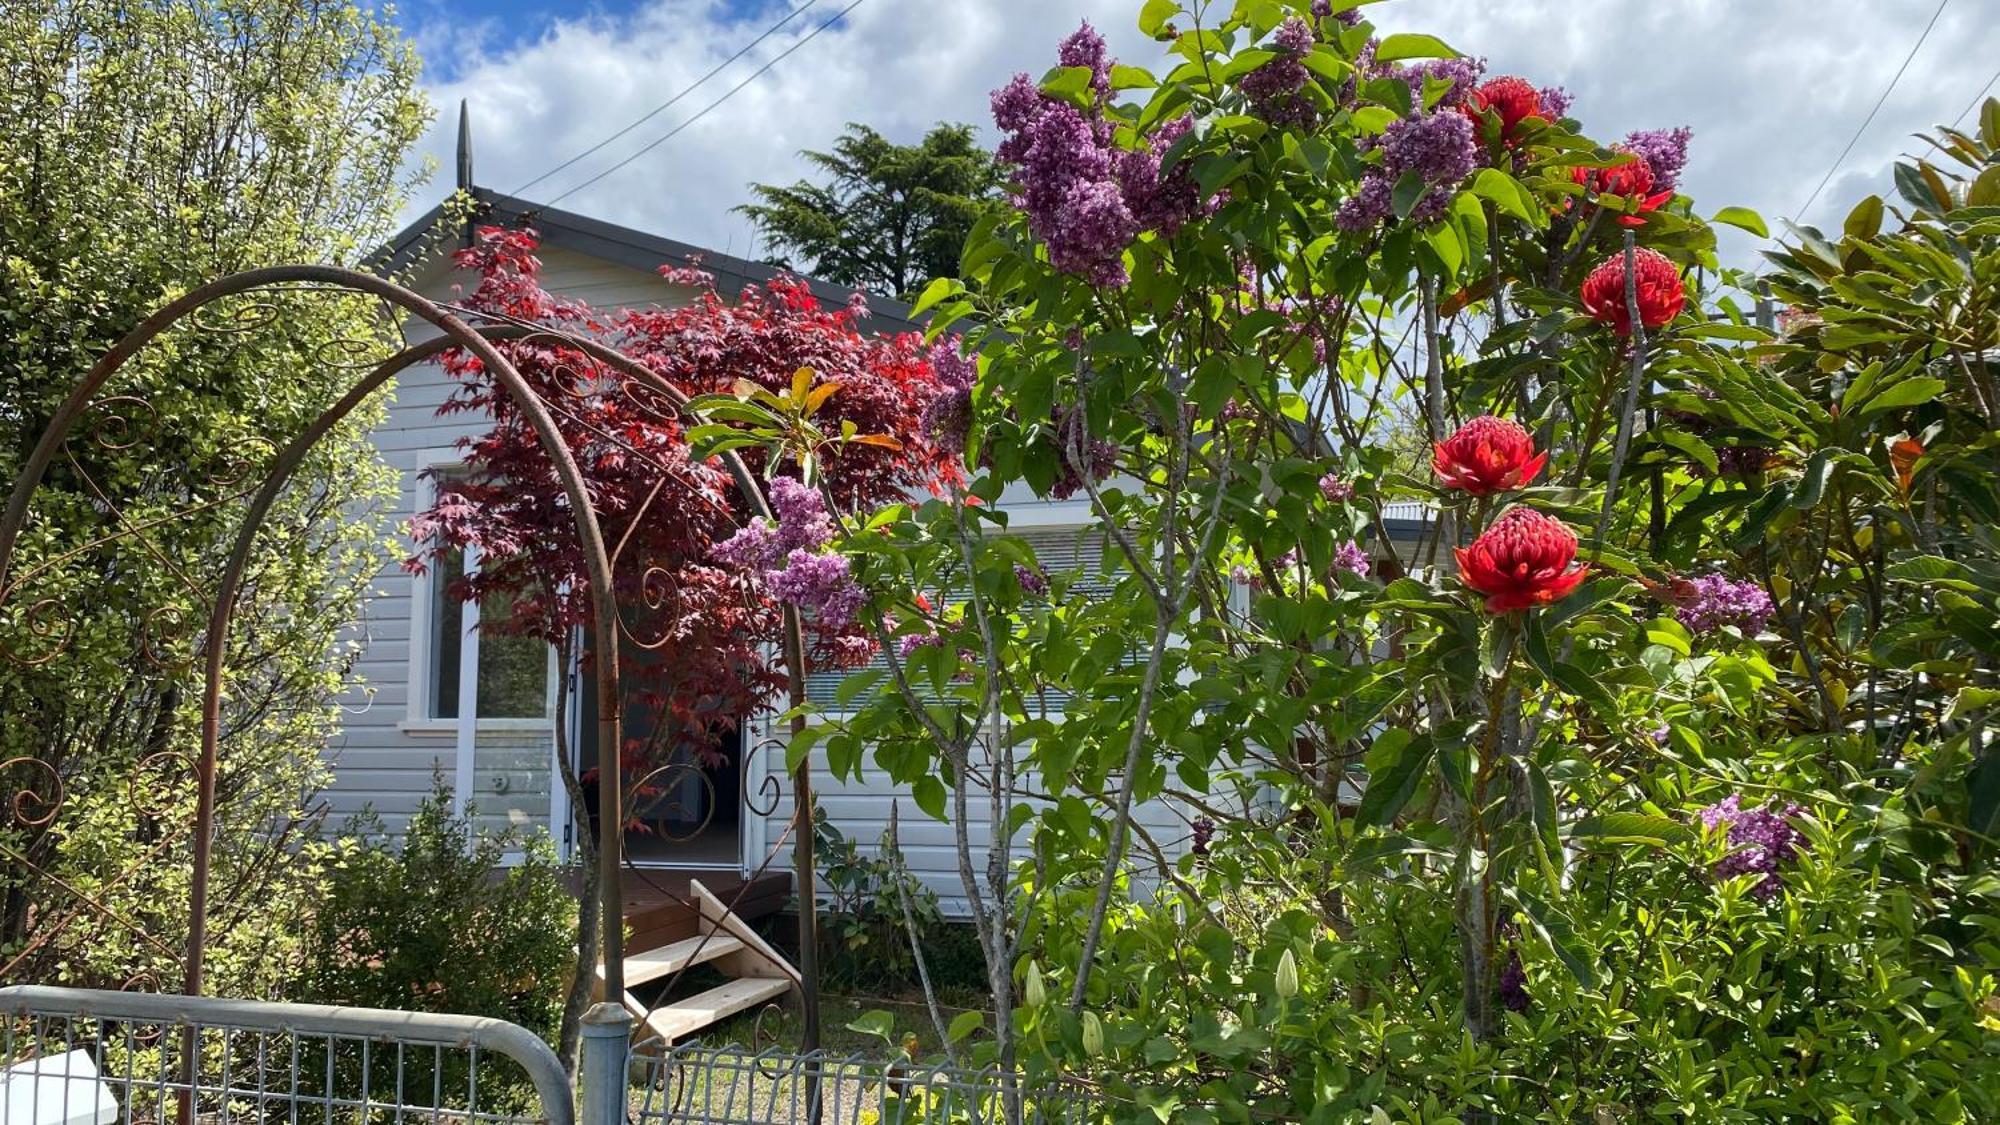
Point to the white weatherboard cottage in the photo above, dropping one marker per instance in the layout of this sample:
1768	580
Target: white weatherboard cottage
429	693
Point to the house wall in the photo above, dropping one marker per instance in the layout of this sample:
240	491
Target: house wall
384	755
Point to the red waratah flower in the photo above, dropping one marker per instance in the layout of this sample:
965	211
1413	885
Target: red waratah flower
1632	179
1513	99
1659	290
1523	560
1487	455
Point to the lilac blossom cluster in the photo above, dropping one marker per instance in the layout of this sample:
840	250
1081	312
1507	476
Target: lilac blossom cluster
1439	148
909	644
1665	152
1720	600
1463	73
1761	840
1352	558
1099	456
1555	102
1086	198
1276	89
947	418
1335	489
791	559
1348	17
1033	582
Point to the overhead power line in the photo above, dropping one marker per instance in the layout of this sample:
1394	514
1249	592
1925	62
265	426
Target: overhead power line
1976	99
704	112
1866	121
670	102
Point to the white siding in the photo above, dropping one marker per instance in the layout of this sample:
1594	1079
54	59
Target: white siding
380	758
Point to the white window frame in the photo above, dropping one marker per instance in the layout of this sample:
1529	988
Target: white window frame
417	719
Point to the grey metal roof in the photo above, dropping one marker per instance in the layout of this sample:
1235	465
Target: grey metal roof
612	243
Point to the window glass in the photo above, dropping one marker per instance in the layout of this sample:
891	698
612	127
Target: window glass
513	671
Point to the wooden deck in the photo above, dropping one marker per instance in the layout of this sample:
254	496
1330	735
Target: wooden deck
659	909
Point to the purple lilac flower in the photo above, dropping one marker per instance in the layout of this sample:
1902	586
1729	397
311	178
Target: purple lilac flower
1085	198
1437	146
1720	600
1324	8
1099	456
1760	840
907	645
1274	88
1350	557
1463	74
947	418
1665	151
1336	490
1244	576
821	584
1085	47
1369	204
1660	734
1514	983
1555	102
754	547
1033	582
1202	831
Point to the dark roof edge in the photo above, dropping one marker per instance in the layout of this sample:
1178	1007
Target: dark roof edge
623	245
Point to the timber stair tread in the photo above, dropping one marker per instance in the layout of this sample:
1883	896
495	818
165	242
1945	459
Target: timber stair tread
653	964
681	1018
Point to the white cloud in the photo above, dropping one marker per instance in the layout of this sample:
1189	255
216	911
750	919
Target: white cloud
1772	89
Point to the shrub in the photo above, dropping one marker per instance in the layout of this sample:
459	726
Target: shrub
439	925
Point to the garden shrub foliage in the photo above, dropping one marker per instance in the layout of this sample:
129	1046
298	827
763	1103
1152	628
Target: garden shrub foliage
1650	781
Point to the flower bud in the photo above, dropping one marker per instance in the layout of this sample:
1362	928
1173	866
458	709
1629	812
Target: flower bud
1288	975
1093	1035
1033	990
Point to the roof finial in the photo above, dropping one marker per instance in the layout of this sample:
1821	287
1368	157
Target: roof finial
464	147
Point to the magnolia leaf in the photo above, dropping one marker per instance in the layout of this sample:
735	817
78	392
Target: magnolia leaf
1401	759
820	394
965	1024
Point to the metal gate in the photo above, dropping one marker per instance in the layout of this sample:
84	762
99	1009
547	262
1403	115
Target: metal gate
72	1056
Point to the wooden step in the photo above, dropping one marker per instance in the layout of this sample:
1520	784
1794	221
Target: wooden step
652	964
682	1018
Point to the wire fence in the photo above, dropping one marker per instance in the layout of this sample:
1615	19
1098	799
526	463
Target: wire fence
693	1084
83	1057
86	1057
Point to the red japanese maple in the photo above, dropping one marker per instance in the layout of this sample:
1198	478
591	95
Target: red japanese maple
662	510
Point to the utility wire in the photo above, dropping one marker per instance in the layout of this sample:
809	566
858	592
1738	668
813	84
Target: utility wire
1866	121
1976	99
669	103
676	130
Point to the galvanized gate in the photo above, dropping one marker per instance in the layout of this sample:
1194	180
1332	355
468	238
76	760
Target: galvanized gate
71	1056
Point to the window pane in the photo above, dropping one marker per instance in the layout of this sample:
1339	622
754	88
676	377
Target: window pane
513	671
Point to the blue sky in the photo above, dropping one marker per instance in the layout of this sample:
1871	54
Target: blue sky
1773	89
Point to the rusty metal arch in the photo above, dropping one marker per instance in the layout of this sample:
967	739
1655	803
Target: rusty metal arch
480	341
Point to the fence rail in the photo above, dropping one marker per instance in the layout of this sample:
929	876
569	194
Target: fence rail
73	1056
693	1084
86	1057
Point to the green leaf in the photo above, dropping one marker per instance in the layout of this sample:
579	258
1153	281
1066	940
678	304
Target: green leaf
929	793
936	291
1506	192
1396	764
1406	45
964	1024
1408	192
1909	392
878	1023
1743	218
1555	928
1865	221
1154	17
1630	828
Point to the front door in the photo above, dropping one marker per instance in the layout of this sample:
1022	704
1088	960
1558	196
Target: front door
683	794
